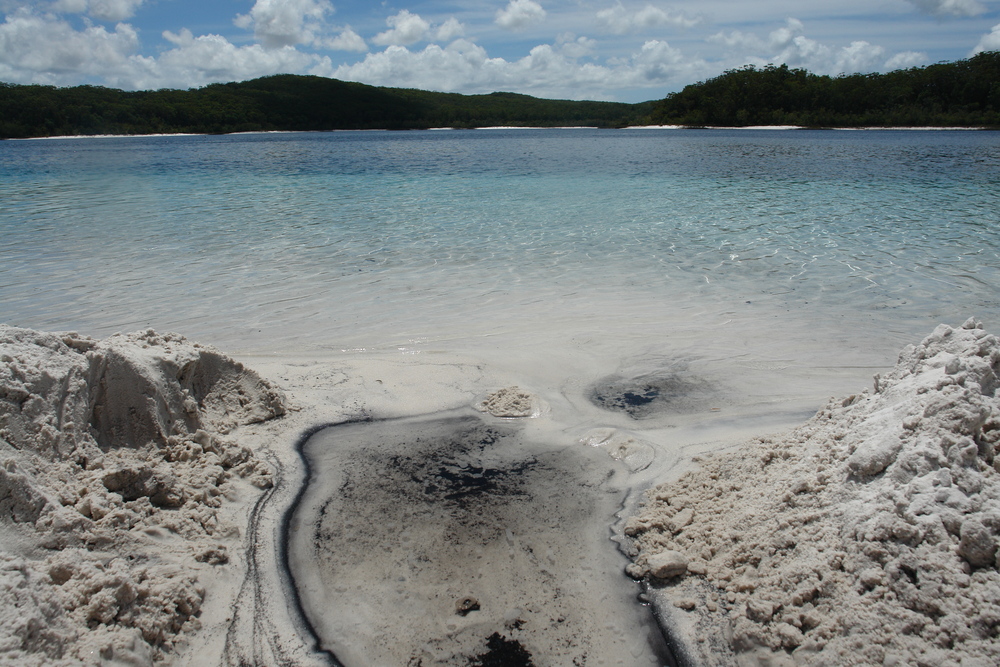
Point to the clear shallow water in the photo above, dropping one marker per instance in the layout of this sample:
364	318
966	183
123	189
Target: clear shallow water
339	240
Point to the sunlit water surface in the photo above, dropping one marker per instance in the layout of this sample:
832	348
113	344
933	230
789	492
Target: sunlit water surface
285	242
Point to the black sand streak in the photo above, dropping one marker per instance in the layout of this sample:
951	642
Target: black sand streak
285	531
677	650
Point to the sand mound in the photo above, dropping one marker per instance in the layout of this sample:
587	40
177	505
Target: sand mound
511	402
113	471
866	536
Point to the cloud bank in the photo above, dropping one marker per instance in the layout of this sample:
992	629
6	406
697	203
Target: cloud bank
549	70
278	23
621	21
790	46
627	49
102	10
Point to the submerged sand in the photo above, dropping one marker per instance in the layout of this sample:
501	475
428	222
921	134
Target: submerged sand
144	479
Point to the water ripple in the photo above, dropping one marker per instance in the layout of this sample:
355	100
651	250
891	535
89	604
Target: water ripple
382	231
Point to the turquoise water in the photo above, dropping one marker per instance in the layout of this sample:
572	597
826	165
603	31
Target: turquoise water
368	239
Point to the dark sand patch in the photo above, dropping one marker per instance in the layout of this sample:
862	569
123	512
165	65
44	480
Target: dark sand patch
455	540
645	396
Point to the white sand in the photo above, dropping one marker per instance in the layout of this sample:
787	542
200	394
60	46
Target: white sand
144	476
120	492
868	536
143	479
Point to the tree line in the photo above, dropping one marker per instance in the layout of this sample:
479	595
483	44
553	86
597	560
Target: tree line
965	93
283	102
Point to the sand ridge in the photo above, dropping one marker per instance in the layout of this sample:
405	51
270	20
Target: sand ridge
867	536
116	468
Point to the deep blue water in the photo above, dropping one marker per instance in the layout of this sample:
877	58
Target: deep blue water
354	238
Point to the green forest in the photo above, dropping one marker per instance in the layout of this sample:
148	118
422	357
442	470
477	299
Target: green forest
283	102
965	93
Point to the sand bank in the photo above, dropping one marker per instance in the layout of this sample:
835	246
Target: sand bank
868	536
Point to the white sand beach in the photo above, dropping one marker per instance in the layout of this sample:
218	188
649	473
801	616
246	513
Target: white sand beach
144	479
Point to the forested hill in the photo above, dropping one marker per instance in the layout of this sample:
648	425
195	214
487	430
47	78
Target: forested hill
284	102
964	93
961	94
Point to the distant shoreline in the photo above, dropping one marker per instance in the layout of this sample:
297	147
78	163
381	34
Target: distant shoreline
521	127
943	96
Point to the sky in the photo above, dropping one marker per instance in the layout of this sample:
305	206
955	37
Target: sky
623	50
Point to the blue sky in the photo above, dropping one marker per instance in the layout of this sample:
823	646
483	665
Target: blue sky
627	50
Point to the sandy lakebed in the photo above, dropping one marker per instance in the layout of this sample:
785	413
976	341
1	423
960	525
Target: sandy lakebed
162	503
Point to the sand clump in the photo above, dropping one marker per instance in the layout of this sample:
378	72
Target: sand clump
867	536
114	464
511	402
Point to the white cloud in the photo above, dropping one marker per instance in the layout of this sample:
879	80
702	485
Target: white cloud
405	28
45	49
620	20
989	42
347	40
196	61
69	6
449	30
906	60
948	7
859	56
279	23
433	68
547	70
519	14
784	36
737	40
788	45
575	47
658	63
777	39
